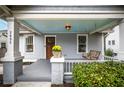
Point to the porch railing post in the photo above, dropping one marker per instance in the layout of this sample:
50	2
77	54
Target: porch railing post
57	70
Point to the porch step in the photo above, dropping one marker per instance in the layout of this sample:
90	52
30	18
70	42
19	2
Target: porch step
31	79
32	84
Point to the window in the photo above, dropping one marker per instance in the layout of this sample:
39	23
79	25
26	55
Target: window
113	42
109	42
3	45
82	43
29	44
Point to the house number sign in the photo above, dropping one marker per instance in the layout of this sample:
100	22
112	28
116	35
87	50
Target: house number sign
10	37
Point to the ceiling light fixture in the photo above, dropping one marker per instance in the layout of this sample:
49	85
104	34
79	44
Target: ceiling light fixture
68	27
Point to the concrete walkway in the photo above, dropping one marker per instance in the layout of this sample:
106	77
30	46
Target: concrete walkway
32	84
38	71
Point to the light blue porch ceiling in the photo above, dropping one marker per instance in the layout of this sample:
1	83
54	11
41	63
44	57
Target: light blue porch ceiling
78	25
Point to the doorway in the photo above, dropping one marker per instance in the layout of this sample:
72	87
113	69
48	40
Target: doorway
50	42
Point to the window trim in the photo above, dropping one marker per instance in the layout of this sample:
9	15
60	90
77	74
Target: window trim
86	43
26	44
112	42
109	42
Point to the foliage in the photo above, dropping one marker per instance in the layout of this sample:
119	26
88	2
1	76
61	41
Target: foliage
56	48
109	52
107	74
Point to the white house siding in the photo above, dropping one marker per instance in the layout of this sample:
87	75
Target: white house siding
69	44
37	51
67	41
113	36
95	42
121	41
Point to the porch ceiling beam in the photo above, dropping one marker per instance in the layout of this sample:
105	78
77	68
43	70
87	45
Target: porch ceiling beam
107	26
30	28
6	10
2	15
69	16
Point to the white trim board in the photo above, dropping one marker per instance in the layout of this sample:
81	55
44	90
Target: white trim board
66	11
86	43
69	16
25	36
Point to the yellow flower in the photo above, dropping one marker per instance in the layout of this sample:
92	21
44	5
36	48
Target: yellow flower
57	48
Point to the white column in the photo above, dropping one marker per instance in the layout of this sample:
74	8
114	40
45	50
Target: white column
103	44
13	53
12	62
121	41
57	70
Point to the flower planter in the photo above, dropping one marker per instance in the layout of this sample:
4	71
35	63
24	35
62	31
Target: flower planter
57	54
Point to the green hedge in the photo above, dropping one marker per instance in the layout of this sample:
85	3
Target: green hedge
107	74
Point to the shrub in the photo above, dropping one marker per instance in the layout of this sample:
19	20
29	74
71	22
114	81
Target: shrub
56	48
108	74
109	52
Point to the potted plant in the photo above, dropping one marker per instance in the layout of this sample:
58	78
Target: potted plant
57	51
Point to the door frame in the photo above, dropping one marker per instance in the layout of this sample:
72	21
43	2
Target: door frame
45	43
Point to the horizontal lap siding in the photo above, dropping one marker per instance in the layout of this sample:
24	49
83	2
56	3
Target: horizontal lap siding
95	42
38	49
69	44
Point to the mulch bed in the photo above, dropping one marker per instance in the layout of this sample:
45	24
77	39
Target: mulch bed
5	85
1	82
63	85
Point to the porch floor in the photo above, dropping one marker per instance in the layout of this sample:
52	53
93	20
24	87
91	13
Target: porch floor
38	71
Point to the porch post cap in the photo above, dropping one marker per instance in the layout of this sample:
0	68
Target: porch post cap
54	60
12	58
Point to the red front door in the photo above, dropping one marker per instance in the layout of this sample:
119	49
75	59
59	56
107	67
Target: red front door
50	42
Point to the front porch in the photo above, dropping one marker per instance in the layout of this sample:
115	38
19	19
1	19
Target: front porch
83	23
40	71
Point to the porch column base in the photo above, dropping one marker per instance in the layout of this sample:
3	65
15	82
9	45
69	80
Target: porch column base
57	70
11	70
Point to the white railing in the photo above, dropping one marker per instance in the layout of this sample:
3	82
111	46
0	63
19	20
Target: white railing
109	58
68	66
